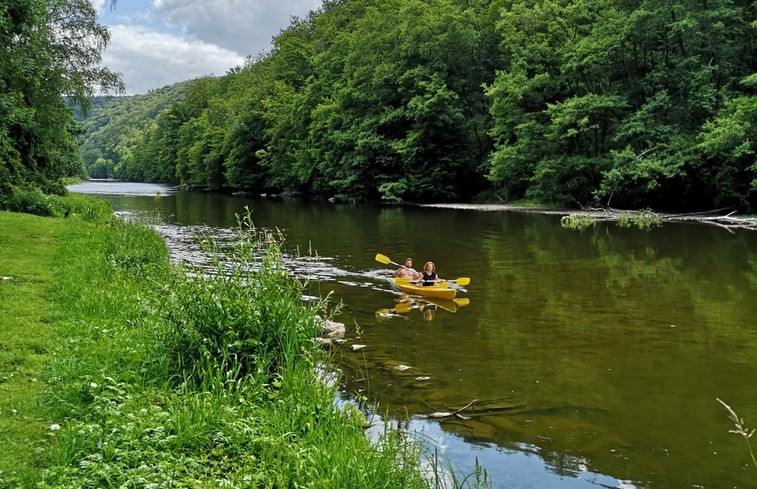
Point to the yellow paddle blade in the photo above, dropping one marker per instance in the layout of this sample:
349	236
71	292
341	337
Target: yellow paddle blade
464	301
462	280
383	259
402	308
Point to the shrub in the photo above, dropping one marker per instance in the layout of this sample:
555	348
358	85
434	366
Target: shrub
88	208
32	201
644	220
577	221
35	201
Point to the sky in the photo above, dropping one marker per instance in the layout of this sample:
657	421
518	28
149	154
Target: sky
155	43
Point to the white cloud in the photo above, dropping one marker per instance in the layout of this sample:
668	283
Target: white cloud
149	59
159	42
244	26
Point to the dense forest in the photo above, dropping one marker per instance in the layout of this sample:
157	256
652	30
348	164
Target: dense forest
631	104
573	102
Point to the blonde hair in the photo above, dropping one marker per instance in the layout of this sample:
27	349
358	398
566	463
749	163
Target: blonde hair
433	266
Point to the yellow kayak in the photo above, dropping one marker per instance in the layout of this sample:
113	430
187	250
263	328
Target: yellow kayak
442	290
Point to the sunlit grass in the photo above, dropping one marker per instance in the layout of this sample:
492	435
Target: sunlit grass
28	330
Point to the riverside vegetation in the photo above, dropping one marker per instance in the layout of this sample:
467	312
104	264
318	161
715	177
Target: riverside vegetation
627	104
570	103
121	370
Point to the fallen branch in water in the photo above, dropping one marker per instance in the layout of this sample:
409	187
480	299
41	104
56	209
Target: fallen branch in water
447	414
728	221
646	219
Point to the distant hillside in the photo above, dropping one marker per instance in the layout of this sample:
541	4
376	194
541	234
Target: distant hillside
116	123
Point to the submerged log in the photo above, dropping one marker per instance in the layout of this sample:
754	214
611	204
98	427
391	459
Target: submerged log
649	219
717	217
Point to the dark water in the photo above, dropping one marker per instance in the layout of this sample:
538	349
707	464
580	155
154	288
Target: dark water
595	357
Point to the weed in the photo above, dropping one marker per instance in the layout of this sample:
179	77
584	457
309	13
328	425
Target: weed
578	222
740	429
644	220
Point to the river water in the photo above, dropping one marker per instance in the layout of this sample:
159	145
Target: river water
594	357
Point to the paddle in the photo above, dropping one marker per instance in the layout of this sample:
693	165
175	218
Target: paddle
386	261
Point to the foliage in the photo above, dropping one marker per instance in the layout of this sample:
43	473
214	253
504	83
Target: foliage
623	89
114	128
36	202
634	104
577	221
231	316
31	202
51	49
644	220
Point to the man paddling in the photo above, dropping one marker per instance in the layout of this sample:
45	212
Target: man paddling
407	271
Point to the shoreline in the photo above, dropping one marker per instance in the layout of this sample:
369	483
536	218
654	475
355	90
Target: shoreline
135	363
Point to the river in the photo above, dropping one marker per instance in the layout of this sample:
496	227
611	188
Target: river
594	357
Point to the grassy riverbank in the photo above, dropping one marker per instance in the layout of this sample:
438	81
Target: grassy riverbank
119	370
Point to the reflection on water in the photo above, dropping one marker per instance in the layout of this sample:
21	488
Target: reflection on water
594	357
426	306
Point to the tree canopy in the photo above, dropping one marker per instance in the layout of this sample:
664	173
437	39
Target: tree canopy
50	56
570	102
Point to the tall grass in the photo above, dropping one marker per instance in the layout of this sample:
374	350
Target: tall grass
170	377
251	322
741	429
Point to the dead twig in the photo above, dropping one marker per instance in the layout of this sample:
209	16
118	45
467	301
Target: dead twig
456	414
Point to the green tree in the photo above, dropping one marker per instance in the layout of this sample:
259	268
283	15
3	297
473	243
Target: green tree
604	99
51	49
728	152
631	104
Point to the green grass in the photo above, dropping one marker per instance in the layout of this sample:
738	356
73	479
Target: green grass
159	377
28	332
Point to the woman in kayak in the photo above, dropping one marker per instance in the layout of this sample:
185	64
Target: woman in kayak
429	274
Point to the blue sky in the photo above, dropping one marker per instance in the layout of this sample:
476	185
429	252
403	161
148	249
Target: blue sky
155	43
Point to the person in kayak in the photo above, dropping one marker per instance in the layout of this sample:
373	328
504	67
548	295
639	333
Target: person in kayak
407	271
429	274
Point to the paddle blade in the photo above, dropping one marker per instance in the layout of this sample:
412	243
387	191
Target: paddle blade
383	259
464	301
383	313
402	308
462	280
